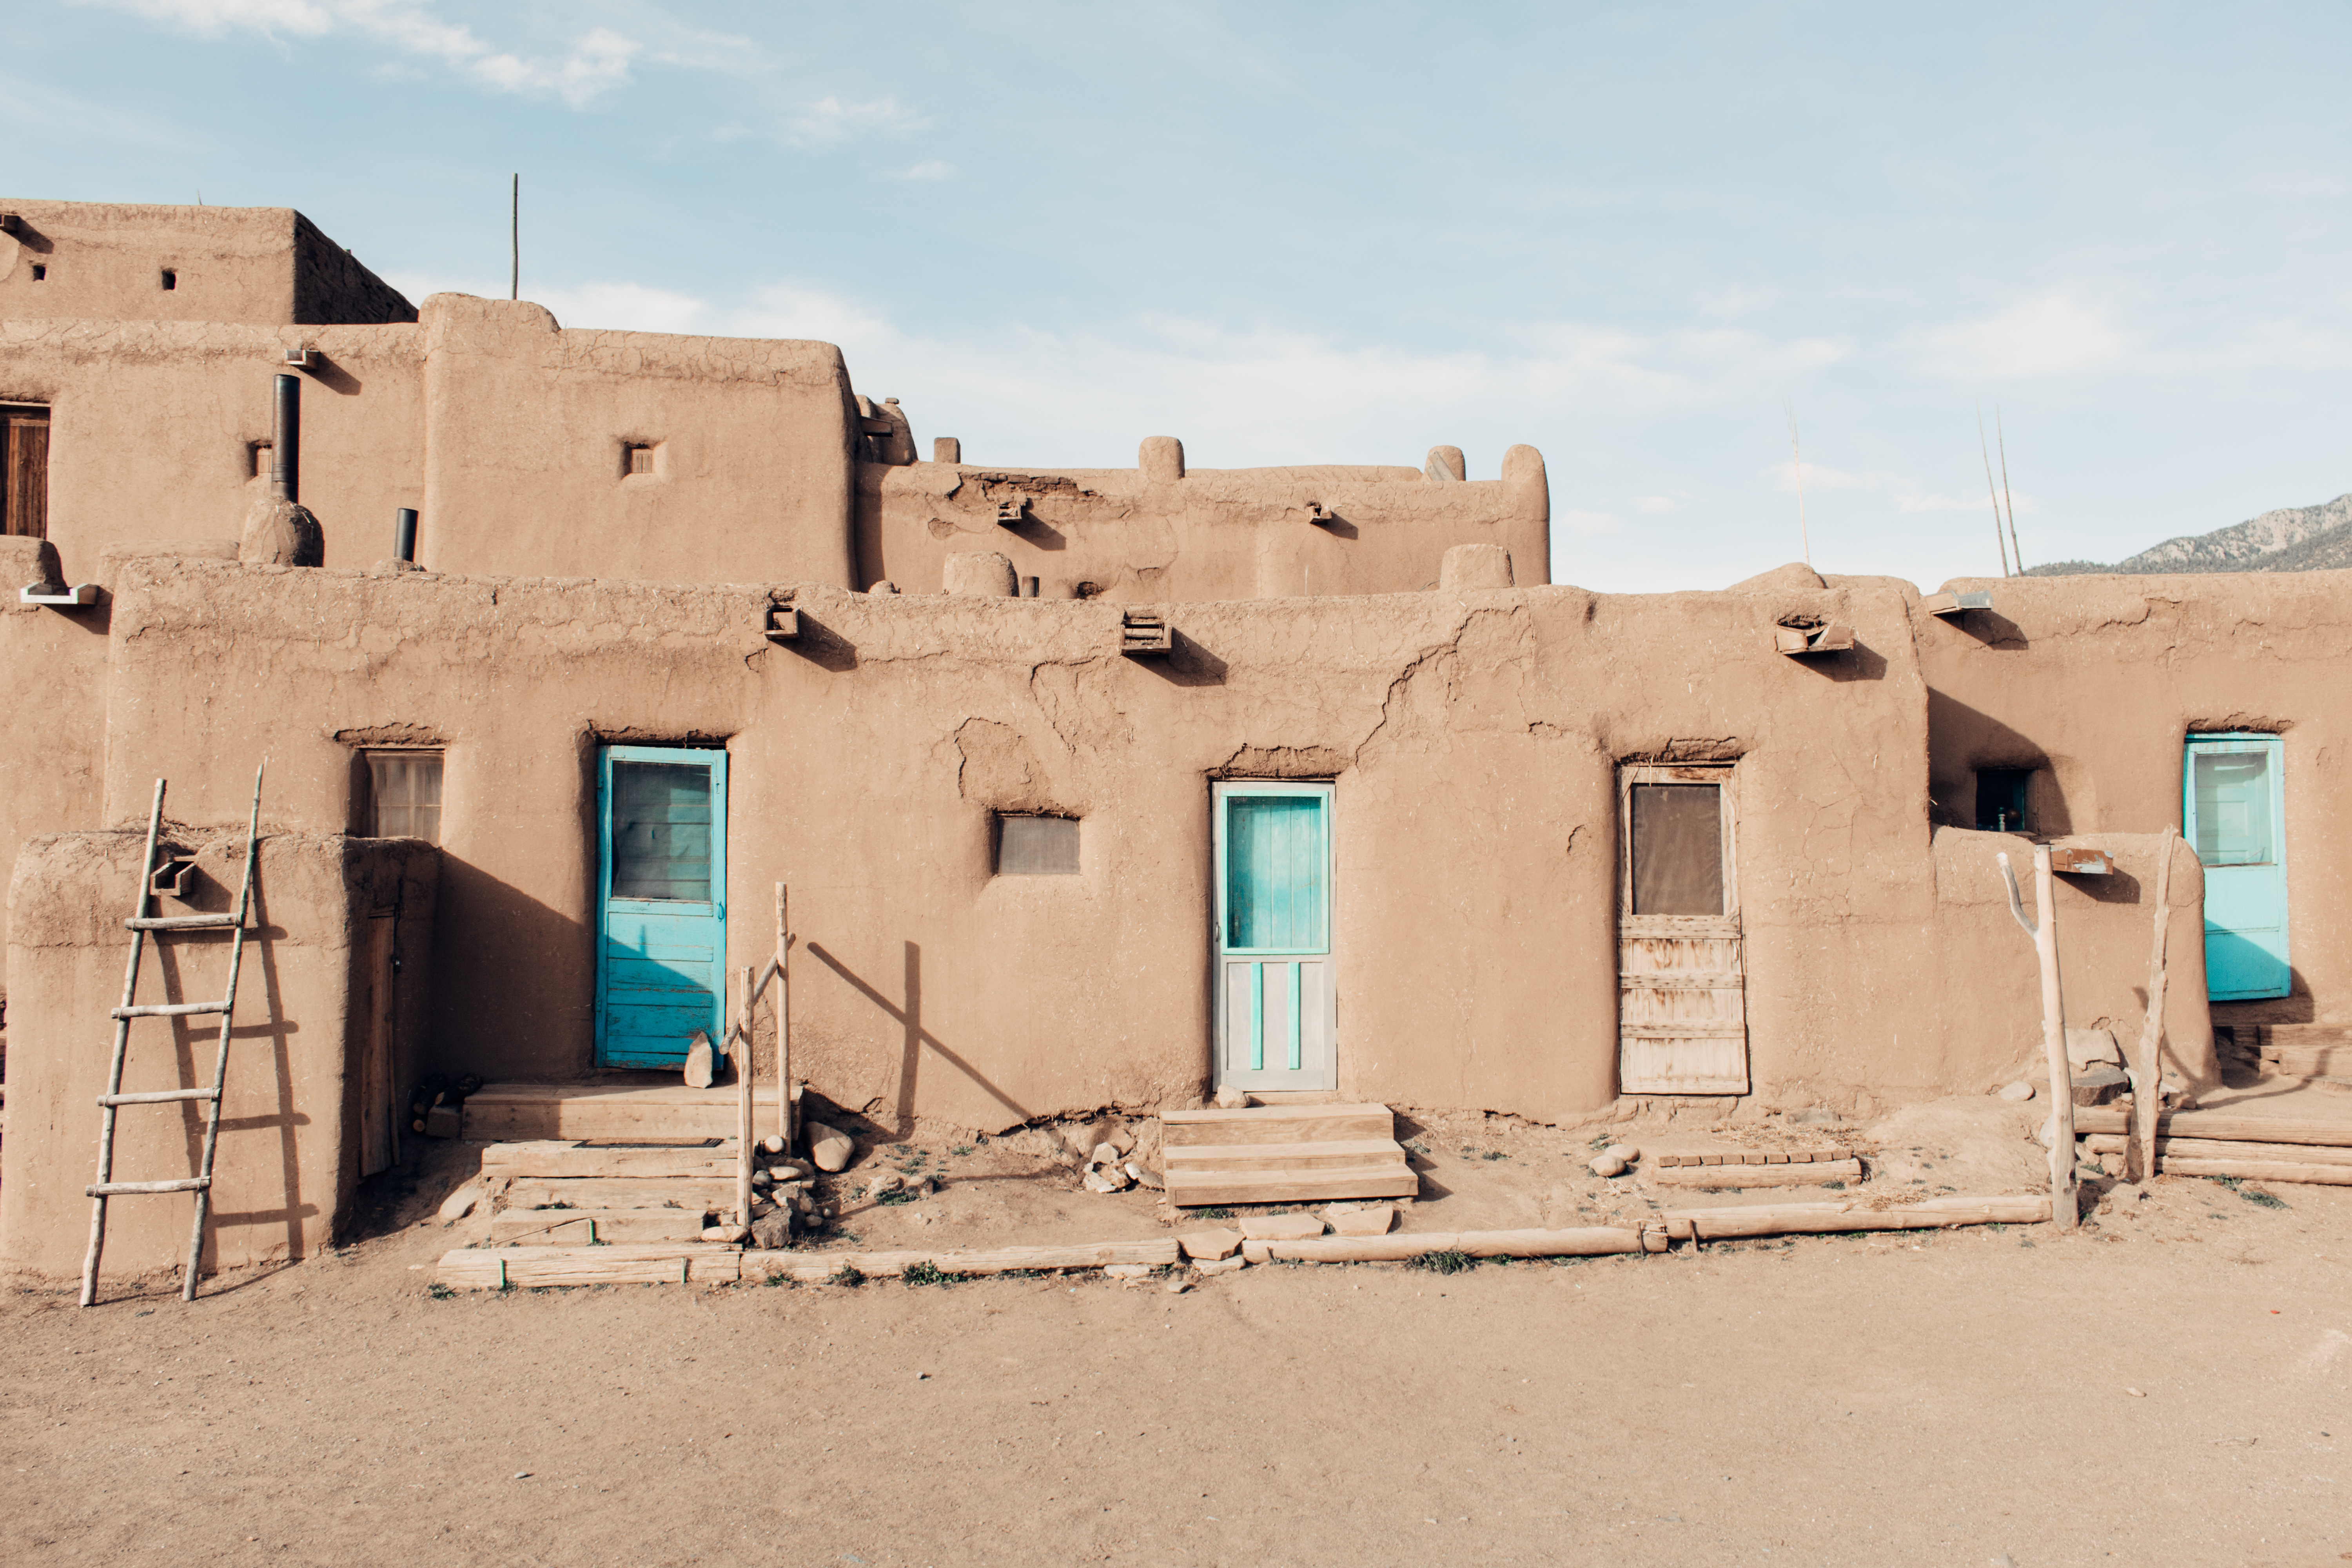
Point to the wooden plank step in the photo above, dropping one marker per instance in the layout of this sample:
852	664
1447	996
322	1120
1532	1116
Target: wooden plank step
566	1159
1754	1157
2258	1171
2220	1124
2221	1149
1204	1158
579	1227
523	1268
699	1195
1811	1173
566	1111
1386	1179
2314	1060
816	1268
1276	1124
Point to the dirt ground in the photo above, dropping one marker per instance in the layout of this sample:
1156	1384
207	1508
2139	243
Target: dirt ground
2173	1382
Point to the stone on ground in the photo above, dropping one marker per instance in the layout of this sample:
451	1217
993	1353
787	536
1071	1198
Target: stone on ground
1281	1227
2018	1091
700	1061
1608	1165
831	1148
1373	1221
1126	1270
1144	1175
1223	1266
1230	1098
725	1233
1625	1152
1205	1246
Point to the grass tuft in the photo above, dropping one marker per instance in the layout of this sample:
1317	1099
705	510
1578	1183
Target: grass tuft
439	1291
848	1274
2253	1196
1453	1261
926	1272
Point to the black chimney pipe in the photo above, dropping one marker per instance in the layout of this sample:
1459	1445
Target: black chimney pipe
403	534
286	445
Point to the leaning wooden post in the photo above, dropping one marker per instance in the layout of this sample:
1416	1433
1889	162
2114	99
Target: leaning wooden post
2147	1070
784	1028
2044	932
744	1135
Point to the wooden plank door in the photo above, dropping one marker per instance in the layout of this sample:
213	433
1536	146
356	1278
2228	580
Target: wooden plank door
1275	1003
661	902
25	471
1682	1005
2233	810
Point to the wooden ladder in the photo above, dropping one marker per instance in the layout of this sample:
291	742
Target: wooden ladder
139	924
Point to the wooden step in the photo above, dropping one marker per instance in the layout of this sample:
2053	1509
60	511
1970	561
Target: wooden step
1207	1157
578	1227
698	1194
512	1111
1385	1179
523	1268
2220	1124
1276	1124
549	1158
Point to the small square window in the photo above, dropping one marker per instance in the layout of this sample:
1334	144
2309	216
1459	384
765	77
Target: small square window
638	457
40	272
256	459
2001	795
1036	846
404	796
170	278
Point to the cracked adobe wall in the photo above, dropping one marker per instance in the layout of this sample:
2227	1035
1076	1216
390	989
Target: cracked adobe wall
2097	680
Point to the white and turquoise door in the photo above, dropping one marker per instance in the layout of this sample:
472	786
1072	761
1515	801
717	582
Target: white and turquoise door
1275	1001
661	902
2233	809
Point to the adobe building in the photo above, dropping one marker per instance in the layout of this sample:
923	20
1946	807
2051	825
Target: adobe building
1090	788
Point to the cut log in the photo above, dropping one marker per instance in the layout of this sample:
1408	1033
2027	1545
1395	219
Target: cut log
2258	1171
575	1228
1834	1218
1812	1173
698	1197
526	1267
816	1268
2221	1149
1591	1241
555	1159
2223	1124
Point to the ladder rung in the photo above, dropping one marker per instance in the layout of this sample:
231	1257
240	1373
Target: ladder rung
170	1010
115	1189
159	1097
182	922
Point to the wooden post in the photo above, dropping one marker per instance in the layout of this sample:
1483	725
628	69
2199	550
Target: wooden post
744	1139
2044	932
2148	1069
783	1025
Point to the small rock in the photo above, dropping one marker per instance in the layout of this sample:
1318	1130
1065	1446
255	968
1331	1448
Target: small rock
1224	1266
699	1061
1099	1182
1625	1152
1177	1287
1258	1252
1144	1175
774	1143
831	1148
725	1233
1231	1099
460	1204
1121	1137
1608	1165
2099	1085
889	1181
1372	1221
2020	1091
1126	1270
2049	1133
1205	1246
763	1181
1081	1140
772	1233
1105	1153
1281	1227
2135	1393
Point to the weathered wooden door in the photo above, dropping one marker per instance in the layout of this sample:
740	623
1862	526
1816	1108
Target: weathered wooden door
2233	809
661	902
1275	1006
1682	1005
25	470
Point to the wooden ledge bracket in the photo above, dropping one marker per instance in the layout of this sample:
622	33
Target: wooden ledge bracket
2080	862
1797	642
784	623
1318	512
302	358
1953	606
1013	512
170	878
1144	633
58	594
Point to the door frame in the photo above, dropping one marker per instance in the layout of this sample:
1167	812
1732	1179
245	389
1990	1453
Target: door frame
606	755
1724	777
2274	748
1273	1079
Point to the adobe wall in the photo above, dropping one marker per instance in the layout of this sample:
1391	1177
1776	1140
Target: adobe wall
1160	533
2098	681
526	471
1474	737
256	266
287	1156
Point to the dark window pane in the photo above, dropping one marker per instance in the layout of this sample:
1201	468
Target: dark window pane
2000	799
661	831
1677	849
1037	847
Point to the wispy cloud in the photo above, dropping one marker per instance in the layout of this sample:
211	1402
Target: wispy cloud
2054	334
832	120
1655	504
1587	523
929	169
1908	494
596	63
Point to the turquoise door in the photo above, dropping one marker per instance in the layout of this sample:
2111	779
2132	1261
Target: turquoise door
2233	809
661	902
1273	1000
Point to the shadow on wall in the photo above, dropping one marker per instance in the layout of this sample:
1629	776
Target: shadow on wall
1860	662
914	1036
1961	741
500	954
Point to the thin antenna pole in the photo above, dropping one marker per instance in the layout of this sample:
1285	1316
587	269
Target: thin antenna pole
1986	452
514	242
2000	436
1797	456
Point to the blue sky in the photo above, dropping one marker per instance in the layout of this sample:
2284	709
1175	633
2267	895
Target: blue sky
1638	238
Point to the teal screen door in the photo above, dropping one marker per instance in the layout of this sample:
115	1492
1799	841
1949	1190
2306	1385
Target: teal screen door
2233	810
1274	1000
661	902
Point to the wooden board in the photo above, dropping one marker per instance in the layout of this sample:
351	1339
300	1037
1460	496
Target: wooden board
575	1228
1752	1157
530	1268
1188	1189
817	1267
700	1196
2309	1061
567	1111
1278	1124
2221	1149
1201	1159
1812	1173
1834	1218
560	1159
2220	1124
2258	1171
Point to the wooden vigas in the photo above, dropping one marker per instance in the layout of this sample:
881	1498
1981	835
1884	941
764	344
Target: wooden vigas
1283	1154
1682	1005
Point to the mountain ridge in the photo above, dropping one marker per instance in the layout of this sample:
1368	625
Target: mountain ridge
2290	538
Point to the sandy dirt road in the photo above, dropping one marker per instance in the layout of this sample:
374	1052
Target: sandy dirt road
1953	1398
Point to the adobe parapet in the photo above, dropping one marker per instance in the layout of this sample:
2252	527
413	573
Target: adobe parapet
1162	532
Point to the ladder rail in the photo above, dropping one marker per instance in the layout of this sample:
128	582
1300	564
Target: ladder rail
114	1068
227	1018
